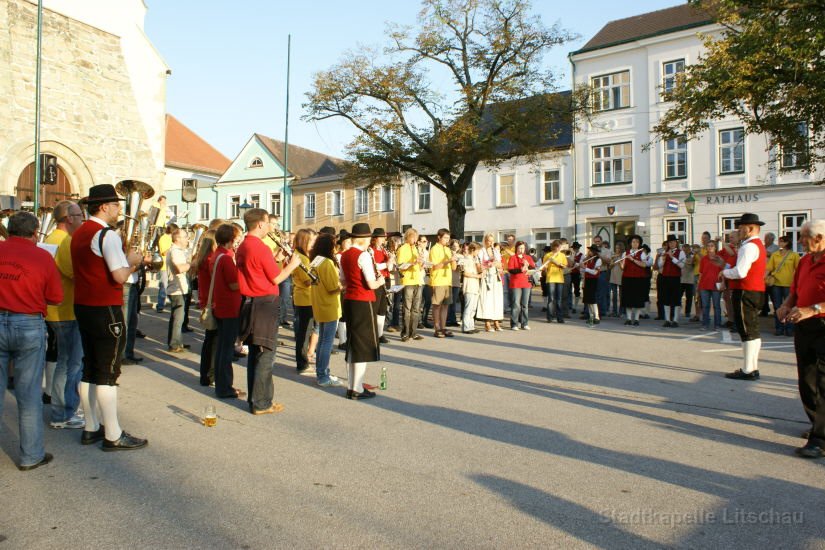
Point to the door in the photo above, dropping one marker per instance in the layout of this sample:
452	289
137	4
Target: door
49	194
623	230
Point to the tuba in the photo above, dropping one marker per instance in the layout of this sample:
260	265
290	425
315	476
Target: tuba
199	229
135	192
45	213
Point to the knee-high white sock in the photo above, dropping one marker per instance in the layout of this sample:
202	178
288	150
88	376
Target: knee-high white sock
48	374
350	376
342	332
359	372
746	347
752	348
88	399
107	399
675	315
629	313
379	321
637	311
667	313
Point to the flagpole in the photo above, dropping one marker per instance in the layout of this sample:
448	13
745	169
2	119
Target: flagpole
287	191
37	167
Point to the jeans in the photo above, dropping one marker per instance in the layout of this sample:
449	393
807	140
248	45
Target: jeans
209	353
707	296
174	338
603	292
778	295
508	292
23	342
285	292
187	302
687	292
555	291
163	280
303	318
453	307
412	307
468	321
226	334
69	369
131	299
615	289
259	377
326	337
518	309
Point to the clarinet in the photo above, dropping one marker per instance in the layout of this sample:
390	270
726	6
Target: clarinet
288	252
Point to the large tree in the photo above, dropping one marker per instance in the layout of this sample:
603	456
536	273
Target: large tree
465	87
765	68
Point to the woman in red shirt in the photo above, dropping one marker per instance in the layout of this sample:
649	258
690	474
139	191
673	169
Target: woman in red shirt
709	269
201	269
520	286
226	307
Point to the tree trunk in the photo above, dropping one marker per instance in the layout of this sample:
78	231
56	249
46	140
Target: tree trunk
455	214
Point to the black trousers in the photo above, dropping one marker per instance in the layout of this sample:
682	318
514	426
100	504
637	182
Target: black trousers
746	307
103	336
809	344
209	352
303	319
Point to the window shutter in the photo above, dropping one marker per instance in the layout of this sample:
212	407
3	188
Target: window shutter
329	203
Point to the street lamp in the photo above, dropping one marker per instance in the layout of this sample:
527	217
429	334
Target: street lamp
690	206
242	208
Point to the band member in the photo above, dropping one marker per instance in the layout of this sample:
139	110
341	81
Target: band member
362	278
30	281
634	280
747	298
670	264
326	305
100	269
61	319
302	299
576	257
385	265
258	280
410	265
441	280
591	267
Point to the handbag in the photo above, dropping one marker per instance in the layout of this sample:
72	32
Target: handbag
207	318
770	279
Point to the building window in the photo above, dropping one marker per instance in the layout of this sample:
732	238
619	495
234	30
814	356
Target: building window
543	237
678	227
334	202
613	164
309	206
672	71
550	186
204	211
727	224
256	163
362	200
468	195
731	151
235	206
474	236
506	190
423	201
797	157
792	226
275	204
386	198
502	234
676	158
611	91
255	200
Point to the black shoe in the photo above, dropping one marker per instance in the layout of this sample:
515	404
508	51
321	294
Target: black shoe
46	459
186	329
132	360
474	331
560	321
343	346
355	396
124	443
739	375
628	323
428	325
187	346
596	321
286	324
635	323
405	338
810	450
666	324
139	334
384	340
47	399
88	438
159	309
674	324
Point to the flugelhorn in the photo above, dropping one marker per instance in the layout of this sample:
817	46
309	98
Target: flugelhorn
288	252
46	215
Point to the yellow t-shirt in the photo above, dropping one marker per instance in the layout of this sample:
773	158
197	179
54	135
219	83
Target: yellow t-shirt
783	276
506	253
442	276
326	298
408	254
164	244
301	283
555	274
698	260
63	258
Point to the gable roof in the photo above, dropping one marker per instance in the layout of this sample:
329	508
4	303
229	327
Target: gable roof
187	150
647	25
303	163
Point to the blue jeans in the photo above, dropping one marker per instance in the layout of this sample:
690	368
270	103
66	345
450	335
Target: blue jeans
716	297
130	316
174	338
468	321
163	280
326	337
778	295
554	299
23	341
226	334
508	292
518	309
285	292
453	307
69	369
603	292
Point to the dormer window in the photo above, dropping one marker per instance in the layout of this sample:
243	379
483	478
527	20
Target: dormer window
256	163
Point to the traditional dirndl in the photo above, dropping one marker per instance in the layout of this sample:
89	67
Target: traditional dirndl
362	333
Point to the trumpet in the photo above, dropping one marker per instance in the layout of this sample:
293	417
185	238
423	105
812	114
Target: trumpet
46	214
288	252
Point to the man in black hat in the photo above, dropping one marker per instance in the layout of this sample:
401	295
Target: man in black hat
575	274
670	264
748	293
100	269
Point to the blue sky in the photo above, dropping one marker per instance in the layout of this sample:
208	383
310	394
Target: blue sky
228	59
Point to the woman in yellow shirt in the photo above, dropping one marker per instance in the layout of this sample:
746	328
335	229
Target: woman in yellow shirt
554	263
326	306
302	299
781	267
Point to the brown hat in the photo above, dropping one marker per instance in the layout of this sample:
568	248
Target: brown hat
361	230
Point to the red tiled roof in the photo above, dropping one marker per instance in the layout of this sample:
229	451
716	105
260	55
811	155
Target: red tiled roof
186	149
646	25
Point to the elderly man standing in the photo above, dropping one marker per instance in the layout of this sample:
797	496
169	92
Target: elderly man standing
805	307
61	319
28	282
748	294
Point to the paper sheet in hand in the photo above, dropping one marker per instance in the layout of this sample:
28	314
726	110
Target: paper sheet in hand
50	248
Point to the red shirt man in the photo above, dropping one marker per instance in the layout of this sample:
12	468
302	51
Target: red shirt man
28	277
257	268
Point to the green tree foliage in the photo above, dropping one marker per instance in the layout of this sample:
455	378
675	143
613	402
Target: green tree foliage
766	68
466	86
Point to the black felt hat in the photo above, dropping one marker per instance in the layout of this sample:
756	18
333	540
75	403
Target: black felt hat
102	193
672	238
379	232
748	219
594	248
361	230
327	230
576	245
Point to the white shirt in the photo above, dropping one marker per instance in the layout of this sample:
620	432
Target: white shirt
748	253
366	265
178	283
595	269
678	259
113	253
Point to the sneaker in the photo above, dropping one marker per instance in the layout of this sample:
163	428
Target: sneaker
514	328
331	382
74	423
525	327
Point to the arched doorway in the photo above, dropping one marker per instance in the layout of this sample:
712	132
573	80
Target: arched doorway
49	194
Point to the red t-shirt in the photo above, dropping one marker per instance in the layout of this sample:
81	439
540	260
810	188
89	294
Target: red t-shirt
256	268
28	277
730	260
226	303
204	279
520	280
708	274
809	282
